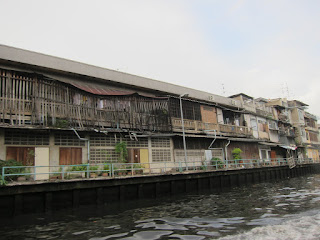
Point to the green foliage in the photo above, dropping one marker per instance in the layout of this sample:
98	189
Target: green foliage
217	162
11	163
93	169
30	157
106	167
2	182
61	123
79	168
137	166
121	149
236	153
203	167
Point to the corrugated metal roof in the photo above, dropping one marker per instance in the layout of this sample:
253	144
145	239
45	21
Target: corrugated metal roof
101	90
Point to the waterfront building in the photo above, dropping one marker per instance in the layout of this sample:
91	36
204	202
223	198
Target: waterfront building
55	111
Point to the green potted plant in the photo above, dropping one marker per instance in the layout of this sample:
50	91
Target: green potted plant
106	170
18	171
93	171
203	166
236	154
121	149
80	171
217	163
138	168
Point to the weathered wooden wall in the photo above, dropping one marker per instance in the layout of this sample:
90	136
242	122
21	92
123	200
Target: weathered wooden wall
29	99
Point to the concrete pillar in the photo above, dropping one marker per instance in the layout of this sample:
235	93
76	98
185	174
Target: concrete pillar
3	150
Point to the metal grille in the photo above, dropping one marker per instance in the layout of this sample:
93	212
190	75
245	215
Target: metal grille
142	142
102	140
102	155
67	139
192	155
191	110
29	138
217	153
160	142
161	155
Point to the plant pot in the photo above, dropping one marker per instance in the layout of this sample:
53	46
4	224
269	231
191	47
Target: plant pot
55	177
93	175
105	174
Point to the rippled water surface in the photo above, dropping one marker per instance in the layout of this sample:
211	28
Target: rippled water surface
288	209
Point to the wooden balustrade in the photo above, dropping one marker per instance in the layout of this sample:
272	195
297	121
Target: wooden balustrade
198	126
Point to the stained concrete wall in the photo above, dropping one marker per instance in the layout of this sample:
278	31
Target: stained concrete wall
50	196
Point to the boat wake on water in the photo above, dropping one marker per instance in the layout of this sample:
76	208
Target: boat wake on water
302	226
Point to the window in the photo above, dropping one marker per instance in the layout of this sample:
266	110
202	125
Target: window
67	139
265	154
262	126
161	149
273	125
32	138
161	155
190	110
301	115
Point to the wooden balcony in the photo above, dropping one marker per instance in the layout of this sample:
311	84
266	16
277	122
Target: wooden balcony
192	126
64	115
236	130
286	132
311	128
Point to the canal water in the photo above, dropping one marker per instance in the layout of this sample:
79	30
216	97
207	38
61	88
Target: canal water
289	209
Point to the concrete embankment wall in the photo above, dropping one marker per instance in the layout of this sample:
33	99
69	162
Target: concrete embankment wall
50	196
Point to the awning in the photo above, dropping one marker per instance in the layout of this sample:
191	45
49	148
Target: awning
100	88
269	144
288	147
243	140
200	136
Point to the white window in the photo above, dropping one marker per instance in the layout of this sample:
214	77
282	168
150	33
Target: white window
265	154
273	125
301	115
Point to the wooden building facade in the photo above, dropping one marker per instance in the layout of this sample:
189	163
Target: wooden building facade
80	112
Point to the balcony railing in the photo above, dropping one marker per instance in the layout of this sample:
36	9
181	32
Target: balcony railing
286	132
311	128
284	118
198	126
49	113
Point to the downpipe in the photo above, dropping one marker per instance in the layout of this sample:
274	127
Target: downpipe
83	139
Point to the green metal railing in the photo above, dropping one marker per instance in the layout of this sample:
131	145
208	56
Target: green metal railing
114	170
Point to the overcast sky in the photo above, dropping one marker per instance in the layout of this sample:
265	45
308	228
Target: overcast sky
262	48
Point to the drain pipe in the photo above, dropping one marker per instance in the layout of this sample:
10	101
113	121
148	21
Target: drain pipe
226	150
215	138
83	139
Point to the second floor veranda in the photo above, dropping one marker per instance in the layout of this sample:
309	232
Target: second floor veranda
194	126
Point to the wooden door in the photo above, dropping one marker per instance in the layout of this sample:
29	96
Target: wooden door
273	157
134	155
70	156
